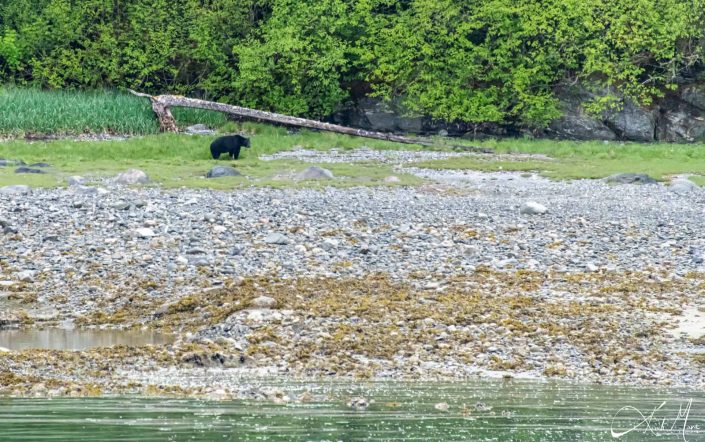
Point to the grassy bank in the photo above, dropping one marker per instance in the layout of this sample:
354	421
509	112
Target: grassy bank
173	160
35	111
585	159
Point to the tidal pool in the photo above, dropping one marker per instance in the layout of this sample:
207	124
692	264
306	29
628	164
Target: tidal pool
520	411
77	339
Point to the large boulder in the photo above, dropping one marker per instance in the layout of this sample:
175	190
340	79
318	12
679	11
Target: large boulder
630	178
679	125
221	171
315	173
533	208
25	169
132	176
4	162
576	123
632	122
683	186
15	189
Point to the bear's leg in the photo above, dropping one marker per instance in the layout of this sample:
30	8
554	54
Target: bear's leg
235	153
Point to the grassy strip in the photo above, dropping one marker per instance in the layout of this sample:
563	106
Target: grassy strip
699	180
71	112
590	159
179	160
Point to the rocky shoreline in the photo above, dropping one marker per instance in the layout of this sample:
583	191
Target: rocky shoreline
441	281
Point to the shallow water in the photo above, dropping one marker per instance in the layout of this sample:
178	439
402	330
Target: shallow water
521	411
77	339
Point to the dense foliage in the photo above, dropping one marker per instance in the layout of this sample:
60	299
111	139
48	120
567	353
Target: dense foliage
470	60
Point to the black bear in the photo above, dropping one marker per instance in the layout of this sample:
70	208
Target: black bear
230	144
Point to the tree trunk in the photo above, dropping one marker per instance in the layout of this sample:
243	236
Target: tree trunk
162	103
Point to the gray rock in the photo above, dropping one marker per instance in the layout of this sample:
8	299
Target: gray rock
264	302
120	205
199	261
633	122
358	403
40	165
694	95
5	163
76	180
132	176
221	171
630	178
144	232
315	173
532	208
579	126
25	169
391	179
276	238
15	189
682	186
576	124
199	129
26	275
679	125
89	190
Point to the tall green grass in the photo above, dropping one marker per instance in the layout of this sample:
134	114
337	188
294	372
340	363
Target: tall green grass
36	111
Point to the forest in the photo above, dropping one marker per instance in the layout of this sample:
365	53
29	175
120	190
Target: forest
497	61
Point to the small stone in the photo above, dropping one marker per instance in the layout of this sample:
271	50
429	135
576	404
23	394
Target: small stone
89	190
15	189
358	403
481	407
305	397
26	275
120	205
199	261
533	208
221	171
392	179
264	302
590	267
40	165
144	232
132	176
441	406
315	173
182	260
276	238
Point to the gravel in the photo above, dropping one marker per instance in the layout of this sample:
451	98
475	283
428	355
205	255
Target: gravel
90	249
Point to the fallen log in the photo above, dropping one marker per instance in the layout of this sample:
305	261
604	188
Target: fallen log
161	105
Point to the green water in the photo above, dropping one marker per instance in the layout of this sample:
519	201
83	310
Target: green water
521	411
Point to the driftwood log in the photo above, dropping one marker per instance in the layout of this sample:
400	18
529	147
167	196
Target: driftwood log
161	105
